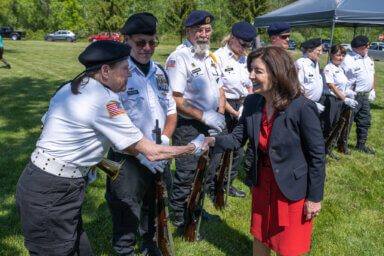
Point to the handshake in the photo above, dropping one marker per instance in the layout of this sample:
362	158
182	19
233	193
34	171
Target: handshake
200	143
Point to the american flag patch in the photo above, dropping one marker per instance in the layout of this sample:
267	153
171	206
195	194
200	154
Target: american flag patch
326	72
171	64
115	109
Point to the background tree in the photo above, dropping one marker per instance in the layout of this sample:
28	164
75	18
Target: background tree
111	15
176	13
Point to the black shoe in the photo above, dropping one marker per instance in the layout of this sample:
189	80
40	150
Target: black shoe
236	193
364	148
8	66
178	220
248	182
149	248
206	216
331	155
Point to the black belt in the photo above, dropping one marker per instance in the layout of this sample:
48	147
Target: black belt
362	93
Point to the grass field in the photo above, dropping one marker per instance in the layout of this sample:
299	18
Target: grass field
351	221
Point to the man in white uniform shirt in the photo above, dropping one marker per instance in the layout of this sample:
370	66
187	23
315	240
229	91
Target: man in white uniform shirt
147	98
197	89
232	61
360	71
308	71
85	117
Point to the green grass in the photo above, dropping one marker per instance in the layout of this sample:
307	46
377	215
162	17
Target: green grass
351	222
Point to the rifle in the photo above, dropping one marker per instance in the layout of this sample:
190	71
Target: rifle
226	160
347	114
194	203
162	213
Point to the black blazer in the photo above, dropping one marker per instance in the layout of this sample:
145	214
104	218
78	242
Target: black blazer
296	146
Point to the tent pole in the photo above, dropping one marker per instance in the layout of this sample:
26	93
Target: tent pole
330	43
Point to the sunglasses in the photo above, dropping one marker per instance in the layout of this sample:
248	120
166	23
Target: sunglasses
243	44
284	36
143	43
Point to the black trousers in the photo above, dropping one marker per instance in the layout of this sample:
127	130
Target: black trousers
50	211
187	130
134	185
237	154
332	112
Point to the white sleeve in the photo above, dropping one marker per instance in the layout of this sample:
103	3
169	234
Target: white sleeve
300	73
172	104
177	73
328	75
113	122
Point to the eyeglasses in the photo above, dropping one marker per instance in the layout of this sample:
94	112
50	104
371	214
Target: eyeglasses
201	30
143	43
284	36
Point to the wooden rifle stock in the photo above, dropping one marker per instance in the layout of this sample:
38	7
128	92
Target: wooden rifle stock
333	136
343	135
220	176
194	208
162	227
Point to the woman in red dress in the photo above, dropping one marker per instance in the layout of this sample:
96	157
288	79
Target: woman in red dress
289	169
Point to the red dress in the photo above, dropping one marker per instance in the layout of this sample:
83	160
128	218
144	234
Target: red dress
277	222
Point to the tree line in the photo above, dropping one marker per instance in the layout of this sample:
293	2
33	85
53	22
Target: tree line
86	17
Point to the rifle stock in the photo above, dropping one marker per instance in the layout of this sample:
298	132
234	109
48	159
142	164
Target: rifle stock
193	210
220	176
343	135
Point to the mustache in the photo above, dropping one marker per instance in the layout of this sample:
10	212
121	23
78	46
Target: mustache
202	41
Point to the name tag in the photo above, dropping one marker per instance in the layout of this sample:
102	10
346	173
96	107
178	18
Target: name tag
132	92
310	75
196	71
228	69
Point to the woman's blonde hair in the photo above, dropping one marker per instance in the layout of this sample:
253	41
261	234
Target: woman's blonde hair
225	40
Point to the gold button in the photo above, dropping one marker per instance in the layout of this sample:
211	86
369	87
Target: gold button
46	163
59	174
49	159
72	176
74	171
277	171
63	165
44	168
61	169
273	151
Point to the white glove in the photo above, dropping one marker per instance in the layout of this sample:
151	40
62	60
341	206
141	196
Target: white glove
152	166
240	112
213	132
92	175
320	108
351	102
349	93
372	95
214	120
198	142
164	140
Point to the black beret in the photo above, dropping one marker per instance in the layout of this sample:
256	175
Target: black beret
311	43
278	27
359	41
103	52
140	23
199	17
244	31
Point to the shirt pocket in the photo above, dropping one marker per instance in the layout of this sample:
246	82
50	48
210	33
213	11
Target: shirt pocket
134	106
164	103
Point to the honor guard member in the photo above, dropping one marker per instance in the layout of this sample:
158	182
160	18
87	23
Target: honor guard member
308	71
148	98
360	71
197	89
338	94
279	33
232	61
85	117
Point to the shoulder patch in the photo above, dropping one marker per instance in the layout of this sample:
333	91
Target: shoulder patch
171	63
326	72
114	109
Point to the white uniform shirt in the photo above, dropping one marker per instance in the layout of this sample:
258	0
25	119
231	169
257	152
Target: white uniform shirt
360	71
335	75
197	77
79	129
309	77
148	98
235	73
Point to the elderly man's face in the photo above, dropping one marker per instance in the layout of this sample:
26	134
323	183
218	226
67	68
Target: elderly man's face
280	40
361	50
315	53
199	35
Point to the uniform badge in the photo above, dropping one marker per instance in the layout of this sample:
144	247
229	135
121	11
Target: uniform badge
207	20
193	65
213	64
114	109
162	82
164	93
132	91
171	64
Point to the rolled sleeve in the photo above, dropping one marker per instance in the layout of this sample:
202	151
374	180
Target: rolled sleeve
177	73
